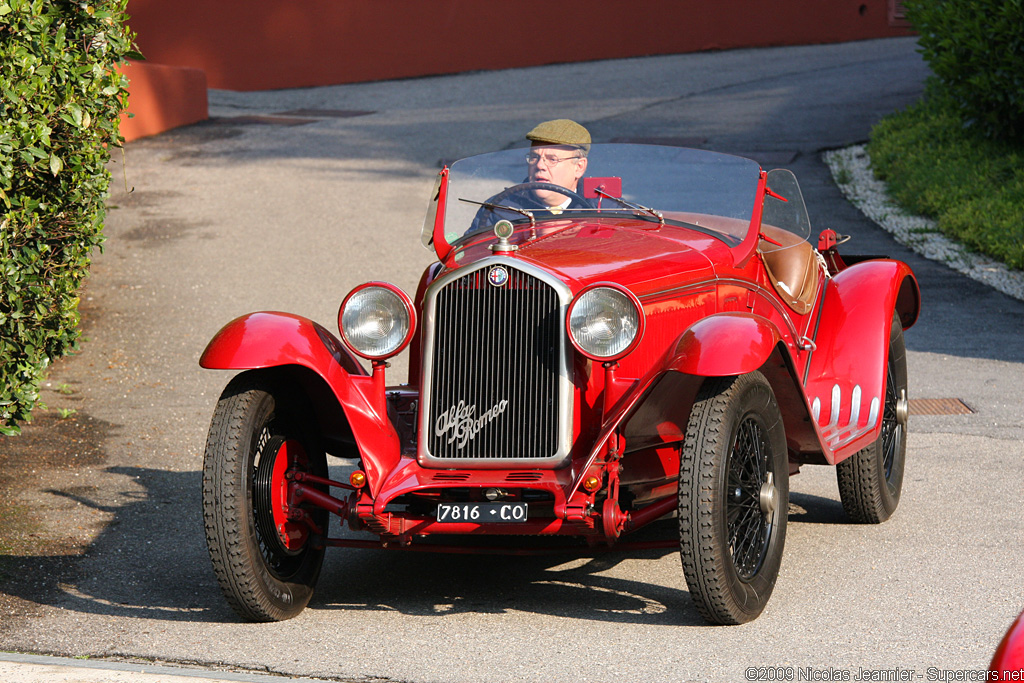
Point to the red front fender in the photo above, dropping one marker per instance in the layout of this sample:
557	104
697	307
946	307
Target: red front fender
724	344
267	340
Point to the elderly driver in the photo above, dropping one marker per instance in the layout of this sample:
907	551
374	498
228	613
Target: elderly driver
558	156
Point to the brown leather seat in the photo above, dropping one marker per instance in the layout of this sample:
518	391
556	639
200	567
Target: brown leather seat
792	267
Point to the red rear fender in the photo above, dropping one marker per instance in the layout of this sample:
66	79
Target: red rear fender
846	376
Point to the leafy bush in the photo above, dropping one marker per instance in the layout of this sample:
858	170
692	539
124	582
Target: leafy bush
972	185
976	50
61	96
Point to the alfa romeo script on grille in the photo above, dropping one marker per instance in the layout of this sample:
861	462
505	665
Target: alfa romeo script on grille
458	422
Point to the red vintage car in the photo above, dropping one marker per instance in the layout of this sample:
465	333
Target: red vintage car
1008	661
669	345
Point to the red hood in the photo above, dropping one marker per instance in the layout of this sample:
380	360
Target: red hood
641	255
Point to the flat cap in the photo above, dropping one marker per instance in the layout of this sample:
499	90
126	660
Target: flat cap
561	132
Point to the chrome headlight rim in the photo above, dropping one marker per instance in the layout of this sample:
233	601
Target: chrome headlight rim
625	297
402	311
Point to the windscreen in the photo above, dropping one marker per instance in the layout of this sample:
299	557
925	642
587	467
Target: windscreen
684	186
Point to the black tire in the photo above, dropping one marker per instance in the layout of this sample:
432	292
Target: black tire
733	498
263	576
871	480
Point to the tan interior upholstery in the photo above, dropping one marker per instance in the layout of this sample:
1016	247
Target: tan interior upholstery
792	267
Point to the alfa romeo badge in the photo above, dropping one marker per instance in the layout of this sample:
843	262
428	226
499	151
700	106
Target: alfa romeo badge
498	276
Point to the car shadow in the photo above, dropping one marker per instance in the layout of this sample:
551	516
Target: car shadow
592	589
150	562
805	508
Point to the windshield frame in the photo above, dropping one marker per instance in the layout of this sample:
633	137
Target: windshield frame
668	185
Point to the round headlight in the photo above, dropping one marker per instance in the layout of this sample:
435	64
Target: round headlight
376	320
605	322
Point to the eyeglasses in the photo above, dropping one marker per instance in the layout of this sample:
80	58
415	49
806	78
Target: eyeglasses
550	160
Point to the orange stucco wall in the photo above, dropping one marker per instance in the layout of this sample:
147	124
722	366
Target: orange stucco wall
162	97
265	44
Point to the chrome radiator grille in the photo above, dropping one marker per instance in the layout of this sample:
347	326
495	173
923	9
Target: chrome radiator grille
493	376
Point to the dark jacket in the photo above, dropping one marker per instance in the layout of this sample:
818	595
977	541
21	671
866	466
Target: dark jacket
486	218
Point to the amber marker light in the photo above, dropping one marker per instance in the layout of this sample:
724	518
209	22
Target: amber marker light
592	483
357	479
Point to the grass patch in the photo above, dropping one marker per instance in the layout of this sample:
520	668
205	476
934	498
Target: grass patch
971	185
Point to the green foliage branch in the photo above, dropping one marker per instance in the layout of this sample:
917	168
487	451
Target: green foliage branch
61	96
975	48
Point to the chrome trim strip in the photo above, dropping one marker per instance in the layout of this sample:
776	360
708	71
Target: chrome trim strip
855	407
709	285
837	400
873	413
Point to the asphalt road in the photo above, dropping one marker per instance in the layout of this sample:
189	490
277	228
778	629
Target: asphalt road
247	214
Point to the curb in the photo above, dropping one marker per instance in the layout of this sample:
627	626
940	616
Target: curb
26	668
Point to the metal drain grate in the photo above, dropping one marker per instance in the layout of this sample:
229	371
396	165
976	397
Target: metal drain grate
939	406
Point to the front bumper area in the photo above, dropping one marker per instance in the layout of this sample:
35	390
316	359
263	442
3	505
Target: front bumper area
407	503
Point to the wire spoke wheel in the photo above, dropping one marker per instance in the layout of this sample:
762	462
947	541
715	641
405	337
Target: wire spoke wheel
749	526
892	430
733	498
281	540
266	561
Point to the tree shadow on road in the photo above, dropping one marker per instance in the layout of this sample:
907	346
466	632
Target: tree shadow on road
149	560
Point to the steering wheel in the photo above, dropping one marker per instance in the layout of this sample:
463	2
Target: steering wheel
534	185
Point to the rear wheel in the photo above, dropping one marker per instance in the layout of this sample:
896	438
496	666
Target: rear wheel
871	480
733	498
266	563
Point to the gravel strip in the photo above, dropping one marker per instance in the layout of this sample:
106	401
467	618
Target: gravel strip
851	170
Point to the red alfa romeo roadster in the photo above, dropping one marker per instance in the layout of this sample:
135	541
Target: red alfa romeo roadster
669	345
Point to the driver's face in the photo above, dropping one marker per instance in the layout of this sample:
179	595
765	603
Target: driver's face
555	164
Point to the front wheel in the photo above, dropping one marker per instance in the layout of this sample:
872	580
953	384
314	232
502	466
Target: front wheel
265	561
871	480
733	498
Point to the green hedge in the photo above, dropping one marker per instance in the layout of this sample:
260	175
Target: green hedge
976	50
61	96
972	185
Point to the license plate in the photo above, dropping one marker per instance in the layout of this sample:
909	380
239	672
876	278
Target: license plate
481	513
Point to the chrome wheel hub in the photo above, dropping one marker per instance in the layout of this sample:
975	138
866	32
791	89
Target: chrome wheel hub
902	408
769	496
